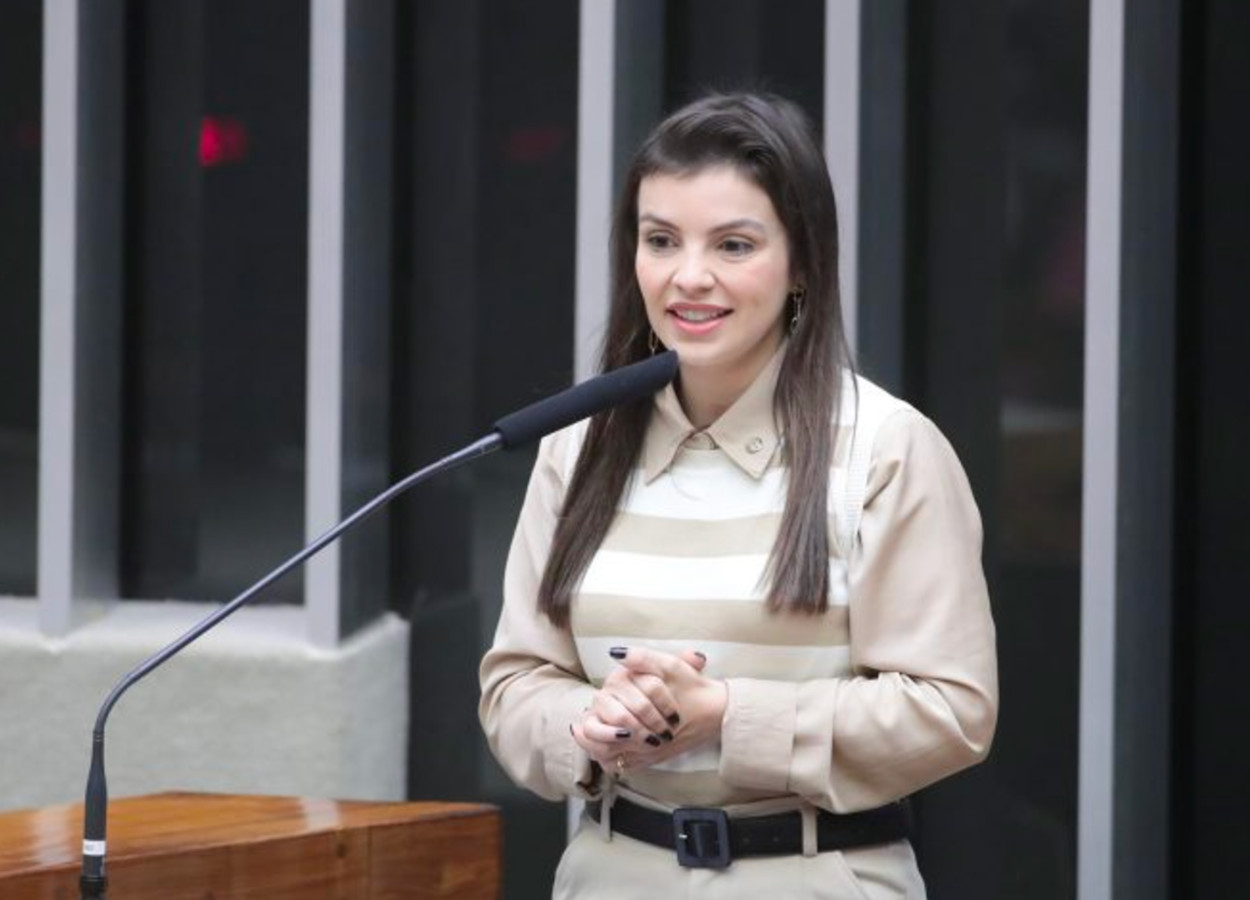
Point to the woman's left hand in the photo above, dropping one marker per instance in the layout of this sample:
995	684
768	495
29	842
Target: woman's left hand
700	700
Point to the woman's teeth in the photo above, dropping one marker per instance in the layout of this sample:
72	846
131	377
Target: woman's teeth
699	315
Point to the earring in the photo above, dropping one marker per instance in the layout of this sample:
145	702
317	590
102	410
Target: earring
796	297
653	342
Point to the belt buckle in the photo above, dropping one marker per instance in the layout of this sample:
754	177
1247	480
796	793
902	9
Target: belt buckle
701	837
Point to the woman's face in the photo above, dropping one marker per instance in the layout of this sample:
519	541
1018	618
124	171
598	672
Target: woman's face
713	264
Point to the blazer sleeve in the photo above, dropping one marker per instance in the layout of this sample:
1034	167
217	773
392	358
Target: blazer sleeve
532	682
922	701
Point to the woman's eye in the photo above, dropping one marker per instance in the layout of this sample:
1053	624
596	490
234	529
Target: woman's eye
659	241
737	246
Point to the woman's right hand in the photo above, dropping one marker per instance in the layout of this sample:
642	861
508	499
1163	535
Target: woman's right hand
632	718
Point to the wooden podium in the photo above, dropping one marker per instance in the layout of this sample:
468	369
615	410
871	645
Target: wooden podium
198	846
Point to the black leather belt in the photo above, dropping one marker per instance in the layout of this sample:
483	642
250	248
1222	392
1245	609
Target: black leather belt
706	838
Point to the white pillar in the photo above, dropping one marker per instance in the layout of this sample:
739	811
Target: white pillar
841	129
324	430
58	295
595	110
1096	773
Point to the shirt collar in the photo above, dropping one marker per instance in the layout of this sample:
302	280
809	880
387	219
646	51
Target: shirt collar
746	432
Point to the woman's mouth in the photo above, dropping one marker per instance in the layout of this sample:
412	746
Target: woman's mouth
697	319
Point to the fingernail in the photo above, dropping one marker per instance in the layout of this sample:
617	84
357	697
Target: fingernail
674	720
571	729
624	734
702	656
618	652
667	735
653	740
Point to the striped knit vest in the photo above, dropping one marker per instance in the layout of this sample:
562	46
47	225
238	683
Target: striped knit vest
683	567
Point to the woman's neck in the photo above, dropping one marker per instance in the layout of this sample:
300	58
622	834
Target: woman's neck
705	394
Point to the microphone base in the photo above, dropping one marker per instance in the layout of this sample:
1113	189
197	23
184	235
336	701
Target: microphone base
93	886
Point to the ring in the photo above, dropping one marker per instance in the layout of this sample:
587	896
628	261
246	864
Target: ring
620	765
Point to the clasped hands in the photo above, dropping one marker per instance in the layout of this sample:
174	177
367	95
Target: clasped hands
651	707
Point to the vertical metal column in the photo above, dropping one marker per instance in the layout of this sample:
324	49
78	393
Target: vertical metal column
842	97
81	284
58	284
595	105
323	493
1096	774
1124	830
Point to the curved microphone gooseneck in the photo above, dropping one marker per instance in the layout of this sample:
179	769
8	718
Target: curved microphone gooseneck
624	385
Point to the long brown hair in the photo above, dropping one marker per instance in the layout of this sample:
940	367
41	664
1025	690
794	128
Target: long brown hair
770	141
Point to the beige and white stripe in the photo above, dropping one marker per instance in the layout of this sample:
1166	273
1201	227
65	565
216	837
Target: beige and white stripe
685	566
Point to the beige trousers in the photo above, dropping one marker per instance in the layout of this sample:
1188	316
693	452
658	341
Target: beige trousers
602	867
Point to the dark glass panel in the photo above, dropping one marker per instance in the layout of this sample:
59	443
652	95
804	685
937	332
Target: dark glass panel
21	98
746	45
1211	787
216	271
994	353
485	188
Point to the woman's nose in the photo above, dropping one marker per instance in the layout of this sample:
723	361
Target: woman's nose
693	273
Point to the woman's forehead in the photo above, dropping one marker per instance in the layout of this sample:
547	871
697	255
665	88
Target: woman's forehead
709	193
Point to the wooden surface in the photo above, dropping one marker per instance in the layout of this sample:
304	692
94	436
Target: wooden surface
213	847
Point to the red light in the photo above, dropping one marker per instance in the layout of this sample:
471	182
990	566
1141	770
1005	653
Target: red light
532	145
29	136
222	141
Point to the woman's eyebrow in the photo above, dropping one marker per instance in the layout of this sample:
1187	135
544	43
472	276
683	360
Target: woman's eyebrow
651	217
736	224
733	225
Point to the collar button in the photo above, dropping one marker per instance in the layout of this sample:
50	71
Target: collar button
755	445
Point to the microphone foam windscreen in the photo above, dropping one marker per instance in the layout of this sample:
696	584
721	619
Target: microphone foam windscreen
623	385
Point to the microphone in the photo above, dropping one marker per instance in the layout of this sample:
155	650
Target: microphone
623	385
627	384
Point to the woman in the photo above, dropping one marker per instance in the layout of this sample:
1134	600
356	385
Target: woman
746	619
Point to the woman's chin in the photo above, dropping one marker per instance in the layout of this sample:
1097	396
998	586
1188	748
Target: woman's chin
720	358
694	357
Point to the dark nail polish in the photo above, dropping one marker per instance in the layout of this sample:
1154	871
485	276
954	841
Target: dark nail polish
674	720
624	734
653	740
667	735
618	652
702	656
